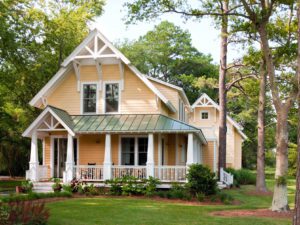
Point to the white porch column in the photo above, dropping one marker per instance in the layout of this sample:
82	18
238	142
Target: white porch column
70	160
107	164
190	149
34	158
150	156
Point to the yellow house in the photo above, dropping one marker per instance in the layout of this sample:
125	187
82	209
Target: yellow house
103	119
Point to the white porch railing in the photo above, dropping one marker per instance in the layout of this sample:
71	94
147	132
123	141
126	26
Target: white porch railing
170	173
226	178
139	172
88	173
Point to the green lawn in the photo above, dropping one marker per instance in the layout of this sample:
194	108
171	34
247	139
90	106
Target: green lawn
147	211
9	185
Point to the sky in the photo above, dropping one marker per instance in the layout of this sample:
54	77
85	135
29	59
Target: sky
204	35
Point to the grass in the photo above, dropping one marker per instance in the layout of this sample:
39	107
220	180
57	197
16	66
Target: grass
147	211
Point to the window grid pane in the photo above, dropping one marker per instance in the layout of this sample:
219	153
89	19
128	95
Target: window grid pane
89	98
111	98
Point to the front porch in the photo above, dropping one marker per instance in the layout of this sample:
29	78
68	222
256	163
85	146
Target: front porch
102	147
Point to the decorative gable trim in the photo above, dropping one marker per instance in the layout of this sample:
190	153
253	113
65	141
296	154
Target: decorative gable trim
96	47
205	101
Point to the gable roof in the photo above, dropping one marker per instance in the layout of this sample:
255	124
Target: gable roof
180	89
205	101
93	47
60	115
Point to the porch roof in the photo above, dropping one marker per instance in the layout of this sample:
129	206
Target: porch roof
124	123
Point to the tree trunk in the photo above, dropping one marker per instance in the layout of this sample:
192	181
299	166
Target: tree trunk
280	200
260	176
296	219
222	87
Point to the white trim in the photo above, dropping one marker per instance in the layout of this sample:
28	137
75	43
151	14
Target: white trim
204	111
81	97
51	156
43	145
215	157
38	121
104	96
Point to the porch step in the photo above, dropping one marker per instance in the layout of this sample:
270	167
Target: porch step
42	187
221	185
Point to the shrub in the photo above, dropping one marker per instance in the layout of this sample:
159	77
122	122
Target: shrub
225	198
92	190
26	186
131	186
179	191
75	185
56	186
27	213
115	186
151	186
4	213
200	197
162	194
201	180
292	157
67	188
242	176
33	196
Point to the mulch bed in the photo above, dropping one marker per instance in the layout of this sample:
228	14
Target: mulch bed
259	193
254	213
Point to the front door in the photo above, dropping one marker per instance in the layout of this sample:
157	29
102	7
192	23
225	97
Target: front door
60	154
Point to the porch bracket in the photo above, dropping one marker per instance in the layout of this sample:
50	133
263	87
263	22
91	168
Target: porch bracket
150	156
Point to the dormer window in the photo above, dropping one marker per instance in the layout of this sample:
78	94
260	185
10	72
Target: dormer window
204	115
111	98
89	98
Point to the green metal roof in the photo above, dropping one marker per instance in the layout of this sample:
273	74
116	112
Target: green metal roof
129	123
125	123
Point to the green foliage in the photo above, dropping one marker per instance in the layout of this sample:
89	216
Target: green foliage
26	186
292	157
166	52
150	186
226	198
115	186
242	176
281	180
201	180
179	191
36	36
4	214
67	188
270	158
200	197
28	213
56	187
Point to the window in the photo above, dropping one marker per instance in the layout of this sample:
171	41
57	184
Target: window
111	98
204	115
134	151
127	151
181	110
89	98
142	151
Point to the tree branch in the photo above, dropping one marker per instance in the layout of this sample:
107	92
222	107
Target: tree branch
229	86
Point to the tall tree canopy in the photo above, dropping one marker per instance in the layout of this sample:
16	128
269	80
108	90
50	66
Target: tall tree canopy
166	52
35	36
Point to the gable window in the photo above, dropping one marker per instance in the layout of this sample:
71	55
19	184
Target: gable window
204	115
89	98
111	97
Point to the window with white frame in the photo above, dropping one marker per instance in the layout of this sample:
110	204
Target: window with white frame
181	110
134	151
89	98
204	115
111	97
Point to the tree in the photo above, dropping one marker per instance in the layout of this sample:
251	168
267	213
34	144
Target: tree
259	15
166	52
35	36
296	218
